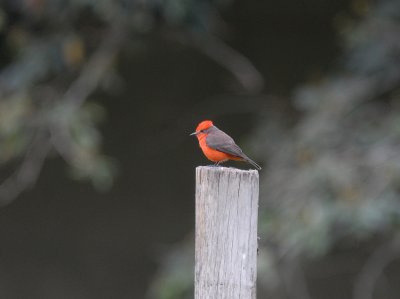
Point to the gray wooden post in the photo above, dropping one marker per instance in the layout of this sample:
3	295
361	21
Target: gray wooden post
226	233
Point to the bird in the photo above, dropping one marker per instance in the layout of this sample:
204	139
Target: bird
218	146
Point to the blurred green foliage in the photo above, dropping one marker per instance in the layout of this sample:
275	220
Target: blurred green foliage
55	54
338	174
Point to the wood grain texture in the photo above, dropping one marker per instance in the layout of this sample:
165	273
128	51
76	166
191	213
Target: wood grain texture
226	233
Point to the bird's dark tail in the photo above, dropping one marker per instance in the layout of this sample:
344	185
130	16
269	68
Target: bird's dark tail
248	160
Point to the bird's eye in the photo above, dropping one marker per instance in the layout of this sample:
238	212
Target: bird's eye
201	131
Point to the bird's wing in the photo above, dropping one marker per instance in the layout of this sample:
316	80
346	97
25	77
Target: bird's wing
222	142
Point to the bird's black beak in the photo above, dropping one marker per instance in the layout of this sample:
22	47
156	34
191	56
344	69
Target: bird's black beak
194	133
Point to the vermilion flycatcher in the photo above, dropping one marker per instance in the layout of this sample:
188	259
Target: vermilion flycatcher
218	146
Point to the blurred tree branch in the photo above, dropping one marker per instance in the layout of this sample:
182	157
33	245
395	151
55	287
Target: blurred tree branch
95	68
55	134
28	171
233	61
89	79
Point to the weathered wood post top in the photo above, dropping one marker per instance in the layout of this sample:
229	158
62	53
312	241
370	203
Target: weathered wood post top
226	233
